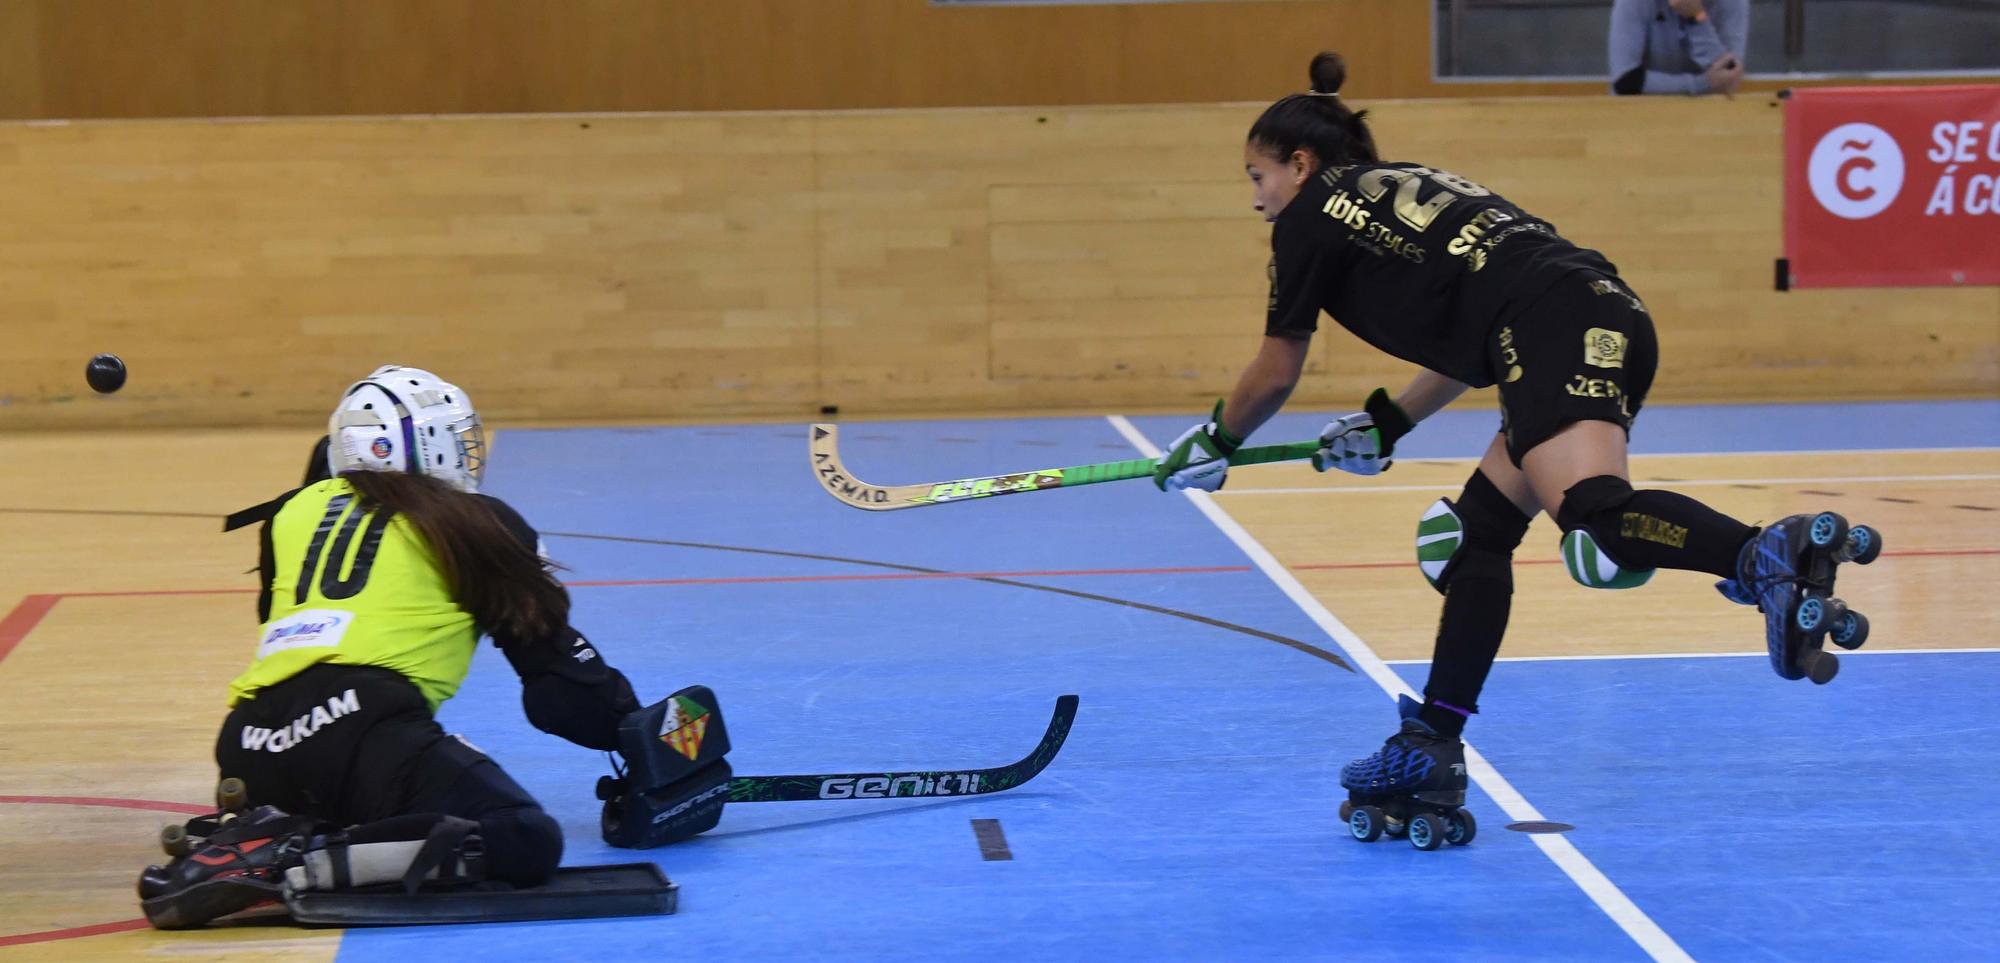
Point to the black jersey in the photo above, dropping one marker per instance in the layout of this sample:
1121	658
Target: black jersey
1418	262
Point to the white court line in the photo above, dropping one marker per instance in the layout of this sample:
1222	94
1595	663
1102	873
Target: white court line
1702	655
1587	877
1677	483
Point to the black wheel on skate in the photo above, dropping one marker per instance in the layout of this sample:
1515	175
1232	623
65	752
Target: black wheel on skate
1463	827
1850	630
231	794
1428	830
174	841
1827	530
1820	666
1810	614
1365	823
1864	545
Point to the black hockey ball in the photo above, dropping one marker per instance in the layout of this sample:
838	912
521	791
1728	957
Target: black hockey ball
106	373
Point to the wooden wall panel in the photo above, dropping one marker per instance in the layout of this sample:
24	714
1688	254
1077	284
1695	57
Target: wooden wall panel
716	265
617	266
201	58
192	58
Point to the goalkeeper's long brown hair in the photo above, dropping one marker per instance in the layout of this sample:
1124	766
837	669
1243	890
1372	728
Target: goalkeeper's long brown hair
508	588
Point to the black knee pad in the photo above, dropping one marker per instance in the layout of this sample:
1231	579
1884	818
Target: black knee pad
523	845
1588	519
1590	496
452	777
1472	538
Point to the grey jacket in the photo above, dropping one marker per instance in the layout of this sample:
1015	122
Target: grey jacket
1654	51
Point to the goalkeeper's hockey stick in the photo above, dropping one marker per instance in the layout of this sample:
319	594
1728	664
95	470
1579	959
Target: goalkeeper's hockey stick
841	484
895	785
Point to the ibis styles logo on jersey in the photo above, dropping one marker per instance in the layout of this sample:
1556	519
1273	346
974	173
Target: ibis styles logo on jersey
689	724
307	629
1855	171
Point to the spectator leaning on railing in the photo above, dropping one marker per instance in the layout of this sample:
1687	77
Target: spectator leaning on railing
1688	47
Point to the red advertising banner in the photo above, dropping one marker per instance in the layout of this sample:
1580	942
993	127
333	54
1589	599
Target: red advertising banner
1892	186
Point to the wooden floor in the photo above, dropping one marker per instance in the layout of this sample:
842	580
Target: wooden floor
124	611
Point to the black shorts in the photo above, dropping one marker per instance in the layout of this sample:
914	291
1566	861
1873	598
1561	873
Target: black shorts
1583	351
355	744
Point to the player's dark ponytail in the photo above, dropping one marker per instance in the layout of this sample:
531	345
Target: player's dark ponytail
1318	121
506	586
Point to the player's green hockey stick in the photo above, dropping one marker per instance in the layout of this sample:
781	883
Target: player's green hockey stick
841	484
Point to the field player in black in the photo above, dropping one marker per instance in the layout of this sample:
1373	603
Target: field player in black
1439	271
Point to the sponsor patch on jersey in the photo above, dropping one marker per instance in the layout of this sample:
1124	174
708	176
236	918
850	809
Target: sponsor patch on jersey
688	725
1604	348
308	629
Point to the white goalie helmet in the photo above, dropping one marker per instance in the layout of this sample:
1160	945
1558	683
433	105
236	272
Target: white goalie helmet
408	420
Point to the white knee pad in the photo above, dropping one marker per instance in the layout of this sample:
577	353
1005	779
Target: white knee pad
340	865
1591	568
1440	541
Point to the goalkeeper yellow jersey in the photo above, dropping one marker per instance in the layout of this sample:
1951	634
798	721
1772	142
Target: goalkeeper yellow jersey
357	587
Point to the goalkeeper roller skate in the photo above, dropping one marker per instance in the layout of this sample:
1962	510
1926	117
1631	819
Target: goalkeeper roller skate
1787	571
1414	786
223	862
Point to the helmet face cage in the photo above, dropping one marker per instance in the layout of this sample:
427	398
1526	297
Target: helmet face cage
470	436
407	419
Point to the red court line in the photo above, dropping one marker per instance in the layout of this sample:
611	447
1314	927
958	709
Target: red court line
1913	553
740	580
28	613
94	929
74	932
155	805
23	620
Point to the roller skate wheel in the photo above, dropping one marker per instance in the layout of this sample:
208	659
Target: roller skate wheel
1428	830
1827	529
1864	545
231	794
1850	630
1365	823
1463	827
609	787
1346	810
174	841
1810	614
1820	666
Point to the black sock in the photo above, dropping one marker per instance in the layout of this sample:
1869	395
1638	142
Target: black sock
1659	529
1479	591
1469	633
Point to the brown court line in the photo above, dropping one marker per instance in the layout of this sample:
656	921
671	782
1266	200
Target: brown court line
92	929
30	611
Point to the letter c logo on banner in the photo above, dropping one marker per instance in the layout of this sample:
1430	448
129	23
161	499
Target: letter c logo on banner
1856	171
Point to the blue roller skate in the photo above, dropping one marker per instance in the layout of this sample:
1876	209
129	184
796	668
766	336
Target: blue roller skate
1414	786
1786	571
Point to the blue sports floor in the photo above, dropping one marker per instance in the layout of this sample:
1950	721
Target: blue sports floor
1191	815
